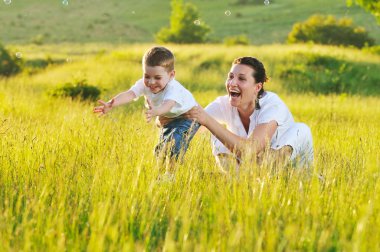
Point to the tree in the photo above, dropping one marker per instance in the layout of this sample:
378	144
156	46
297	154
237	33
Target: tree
372	6
185	26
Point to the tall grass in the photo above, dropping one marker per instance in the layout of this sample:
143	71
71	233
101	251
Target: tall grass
72	181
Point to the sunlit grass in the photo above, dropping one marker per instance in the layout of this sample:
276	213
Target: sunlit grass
72	181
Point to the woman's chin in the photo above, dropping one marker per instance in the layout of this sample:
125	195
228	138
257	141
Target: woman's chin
234	101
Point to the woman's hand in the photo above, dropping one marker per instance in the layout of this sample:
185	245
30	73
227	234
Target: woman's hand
104	108
197	114
162	121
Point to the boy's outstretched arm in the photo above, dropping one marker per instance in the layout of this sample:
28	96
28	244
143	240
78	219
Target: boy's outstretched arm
165	107
122	98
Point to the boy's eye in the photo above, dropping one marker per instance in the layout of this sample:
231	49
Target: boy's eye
242	79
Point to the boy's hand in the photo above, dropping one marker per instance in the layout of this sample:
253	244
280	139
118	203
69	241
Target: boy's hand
150	113
148	104
106	106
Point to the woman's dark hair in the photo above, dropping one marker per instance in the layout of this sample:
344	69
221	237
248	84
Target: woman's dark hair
259	73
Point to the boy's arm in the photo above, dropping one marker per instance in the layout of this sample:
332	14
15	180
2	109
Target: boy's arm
123	98
165	107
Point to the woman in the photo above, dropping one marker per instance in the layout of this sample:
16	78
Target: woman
254	119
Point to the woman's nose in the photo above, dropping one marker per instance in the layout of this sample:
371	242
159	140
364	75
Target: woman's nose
232	82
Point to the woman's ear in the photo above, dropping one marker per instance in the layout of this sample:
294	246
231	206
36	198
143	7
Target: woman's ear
259	86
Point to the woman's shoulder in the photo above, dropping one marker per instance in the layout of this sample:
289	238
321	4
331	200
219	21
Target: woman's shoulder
270	98
220	102
220	109
223	100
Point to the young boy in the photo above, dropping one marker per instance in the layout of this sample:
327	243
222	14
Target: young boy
165	97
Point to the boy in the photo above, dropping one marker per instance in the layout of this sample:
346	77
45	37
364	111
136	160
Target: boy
165	97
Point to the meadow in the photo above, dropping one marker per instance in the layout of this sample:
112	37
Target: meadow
71	181
134	21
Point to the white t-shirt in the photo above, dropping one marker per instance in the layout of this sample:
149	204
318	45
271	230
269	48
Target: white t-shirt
173	91
272	108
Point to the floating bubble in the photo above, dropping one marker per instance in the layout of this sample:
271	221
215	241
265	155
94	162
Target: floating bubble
197	22
65	2
18	55
266	2
227	12
69	60
133	12
7	1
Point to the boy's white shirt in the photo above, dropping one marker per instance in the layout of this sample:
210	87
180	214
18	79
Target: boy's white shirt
272	108
173	91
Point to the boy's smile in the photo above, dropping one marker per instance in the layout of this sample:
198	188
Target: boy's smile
156	78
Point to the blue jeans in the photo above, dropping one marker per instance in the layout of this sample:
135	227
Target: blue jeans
176	136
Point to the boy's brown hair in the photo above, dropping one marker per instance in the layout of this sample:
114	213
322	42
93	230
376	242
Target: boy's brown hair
159	56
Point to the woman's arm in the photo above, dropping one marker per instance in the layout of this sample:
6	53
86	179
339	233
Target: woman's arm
256	141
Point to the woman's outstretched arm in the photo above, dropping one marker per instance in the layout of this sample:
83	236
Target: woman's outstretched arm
255	142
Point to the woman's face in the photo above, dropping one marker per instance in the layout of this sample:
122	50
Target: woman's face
241	87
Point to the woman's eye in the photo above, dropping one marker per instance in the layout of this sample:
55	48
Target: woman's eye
242	79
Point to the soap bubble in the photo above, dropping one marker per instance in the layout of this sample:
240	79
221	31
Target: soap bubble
266	2
65	2
227	12
133	12
197	22
69	60
7	1
18	55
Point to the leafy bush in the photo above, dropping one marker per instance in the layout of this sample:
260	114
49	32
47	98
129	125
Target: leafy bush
236	40
185	26
329	31
77	90
8	64
310	72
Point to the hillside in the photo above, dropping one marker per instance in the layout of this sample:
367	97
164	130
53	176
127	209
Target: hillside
47	21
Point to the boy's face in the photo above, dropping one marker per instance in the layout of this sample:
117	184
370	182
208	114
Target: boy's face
156	78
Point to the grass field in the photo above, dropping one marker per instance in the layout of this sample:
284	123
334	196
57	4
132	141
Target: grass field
47	21
72	181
